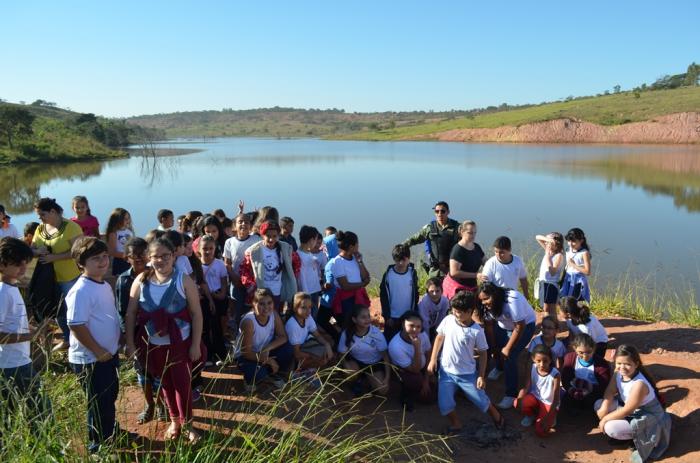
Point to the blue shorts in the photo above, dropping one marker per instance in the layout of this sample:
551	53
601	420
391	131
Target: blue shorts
447	387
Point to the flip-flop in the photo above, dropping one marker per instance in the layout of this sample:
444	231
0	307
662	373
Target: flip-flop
451	431
145	416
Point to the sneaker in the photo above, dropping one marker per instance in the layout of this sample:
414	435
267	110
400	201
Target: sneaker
527	421
506	403
495	374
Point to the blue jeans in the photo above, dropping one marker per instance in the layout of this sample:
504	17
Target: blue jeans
23	384
100	380
64	287
447	387
511	364
254	371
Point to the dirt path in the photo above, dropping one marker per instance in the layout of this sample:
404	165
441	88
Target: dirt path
671	352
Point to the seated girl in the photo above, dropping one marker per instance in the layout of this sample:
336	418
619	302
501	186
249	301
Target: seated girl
630	409
584	376
366	353
311	349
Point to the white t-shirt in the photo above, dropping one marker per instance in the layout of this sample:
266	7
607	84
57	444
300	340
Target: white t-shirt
271	277
401	352
558	350
544	274
586	373
157	291
593	328
505	275
432	313
624	388
182	263
262	334
457	356
368	349
10	231
13	320
123	236
213	273
542	387
309	278
516	309
297	334
234	250
400	291
348	268
91	303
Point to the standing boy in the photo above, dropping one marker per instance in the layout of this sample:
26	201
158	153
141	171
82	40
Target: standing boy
94	338
234	253
505	269
17	375
287	226
457	339
398	291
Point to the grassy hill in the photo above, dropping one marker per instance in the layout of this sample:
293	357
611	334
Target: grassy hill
58	134
613	109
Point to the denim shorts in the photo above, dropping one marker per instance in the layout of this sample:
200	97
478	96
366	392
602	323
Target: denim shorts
448	384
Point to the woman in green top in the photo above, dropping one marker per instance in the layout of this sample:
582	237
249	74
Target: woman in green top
52	243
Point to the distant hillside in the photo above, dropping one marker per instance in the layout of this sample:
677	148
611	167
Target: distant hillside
669	94
43	132
286	122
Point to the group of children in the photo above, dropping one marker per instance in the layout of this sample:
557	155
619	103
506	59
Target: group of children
241	290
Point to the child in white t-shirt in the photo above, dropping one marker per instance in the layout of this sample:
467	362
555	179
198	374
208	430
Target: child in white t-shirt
398	291
309	277
549	339
539	399
579	319
311	349
505	269
458	338
17	375
409	351
94	325
433	307
215	309
366	352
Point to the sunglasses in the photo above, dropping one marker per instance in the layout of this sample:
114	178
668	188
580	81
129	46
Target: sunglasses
441	211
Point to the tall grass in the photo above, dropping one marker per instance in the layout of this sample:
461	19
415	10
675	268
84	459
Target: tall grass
296	424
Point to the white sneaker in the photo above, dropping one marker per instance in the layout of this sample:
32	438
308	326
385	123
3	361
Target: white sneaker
495	374
527	421
506	402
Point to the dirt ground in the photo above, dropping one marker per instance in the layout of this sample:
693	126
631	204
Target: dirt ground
671	352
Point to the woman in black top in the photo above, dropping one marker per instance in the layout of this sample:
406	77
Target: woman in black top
467	256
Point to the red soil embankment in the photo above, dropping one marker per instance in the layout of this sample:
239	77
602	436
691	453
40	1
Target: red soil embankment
680	128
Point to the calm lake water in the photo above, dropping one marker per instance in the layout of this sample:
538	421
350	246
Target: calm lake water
639	205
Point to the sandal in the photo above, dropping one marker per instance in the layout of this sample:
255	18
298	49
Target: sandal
172	433
161	413
193	437
145	416
451	431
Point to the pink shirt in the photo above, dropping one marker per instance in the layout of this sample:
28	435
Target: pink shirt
90	225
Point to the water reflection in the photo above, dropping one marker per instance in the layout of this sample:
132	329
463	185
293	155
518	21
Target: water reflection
20	186
675	174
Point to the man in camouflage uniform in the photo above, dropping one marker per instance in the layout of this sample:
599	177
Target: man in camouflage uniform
439	236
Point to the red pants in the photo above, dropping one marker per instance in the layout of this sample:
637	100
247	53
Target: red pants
171	363
531	407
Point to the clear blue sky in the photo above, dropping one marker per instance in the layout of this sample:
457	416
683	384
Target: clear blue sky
142	57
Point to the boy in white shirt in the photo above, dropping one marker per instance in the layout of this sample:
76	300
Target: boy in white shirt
17	375
94	325
398	291
505	269
457	339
